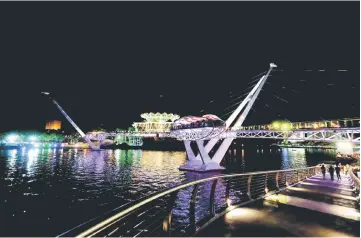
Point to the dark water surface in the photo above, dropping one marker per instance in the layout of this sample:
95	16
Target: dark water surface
45	192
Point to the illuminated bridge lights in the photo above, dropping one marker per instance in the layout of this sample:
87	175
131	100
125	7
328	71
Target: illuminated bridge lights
197	128
325	134
129	138
285	125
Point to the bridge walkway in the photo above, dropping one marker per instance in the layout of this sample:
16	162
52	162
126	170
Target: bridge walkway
314	207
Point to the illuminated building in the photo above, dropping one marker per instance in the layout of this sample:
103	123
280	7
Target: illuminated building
155	122
53	125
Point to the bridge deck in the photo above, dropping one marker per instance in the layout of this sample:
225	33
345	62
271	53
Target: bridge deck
315	207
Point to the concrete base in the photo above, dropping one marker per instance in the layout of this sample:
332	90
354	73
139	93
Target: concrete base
191	164
200	167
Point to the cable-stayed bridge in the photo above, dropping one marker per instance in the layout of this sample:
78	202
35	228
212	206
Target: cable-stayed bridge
322	134
206	141
207	138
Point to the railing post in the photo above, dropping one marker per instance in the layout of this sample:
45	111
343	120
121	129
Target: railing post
192	209
298	177
211	198
265	183
167	222
249	187
277	185
304	174
227	192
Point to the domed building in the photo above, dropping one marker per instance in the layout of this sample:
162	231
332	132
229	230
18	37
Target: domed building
155	122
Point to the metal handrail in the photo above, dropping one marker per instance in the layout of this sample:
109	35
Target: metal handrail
225	193
355	180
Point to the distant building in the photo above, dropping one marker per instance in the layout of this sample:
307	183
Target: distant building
53	125
155	122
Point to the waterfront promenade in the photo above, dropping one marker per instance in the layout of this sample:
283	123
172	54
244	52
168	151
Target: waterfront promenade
314	207
296	202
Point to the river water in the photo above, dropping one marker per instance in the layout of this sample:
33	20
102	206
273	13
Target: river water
45	192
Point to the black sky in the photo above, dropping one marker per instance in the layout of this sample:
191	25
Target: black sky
106	63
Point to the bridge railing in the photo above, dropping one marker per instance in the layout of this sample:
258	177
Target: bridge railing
335	123
356	181
187	208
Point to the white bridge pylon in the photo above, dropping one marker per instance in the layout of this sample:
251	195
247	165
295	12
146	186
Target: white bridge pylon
133	139
203	161
85	137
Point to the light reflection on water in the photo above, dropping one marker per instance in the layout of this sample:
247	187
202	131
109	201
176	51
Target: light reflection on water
293	158
58	188
61	188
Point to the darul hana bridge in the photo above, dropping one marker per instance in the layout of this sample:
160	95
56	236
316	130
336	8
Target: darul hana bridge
294	202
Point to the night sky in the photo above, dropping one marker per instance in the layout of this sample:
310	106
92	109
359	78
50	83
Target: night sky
106	63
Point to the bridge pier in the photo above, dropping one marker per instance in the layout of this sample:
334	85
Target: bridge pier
235	120
200	163
90	143
198	166
191	165
193	162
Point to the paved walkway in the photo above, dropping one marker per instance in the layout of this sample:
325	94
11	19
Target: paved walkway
315	207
